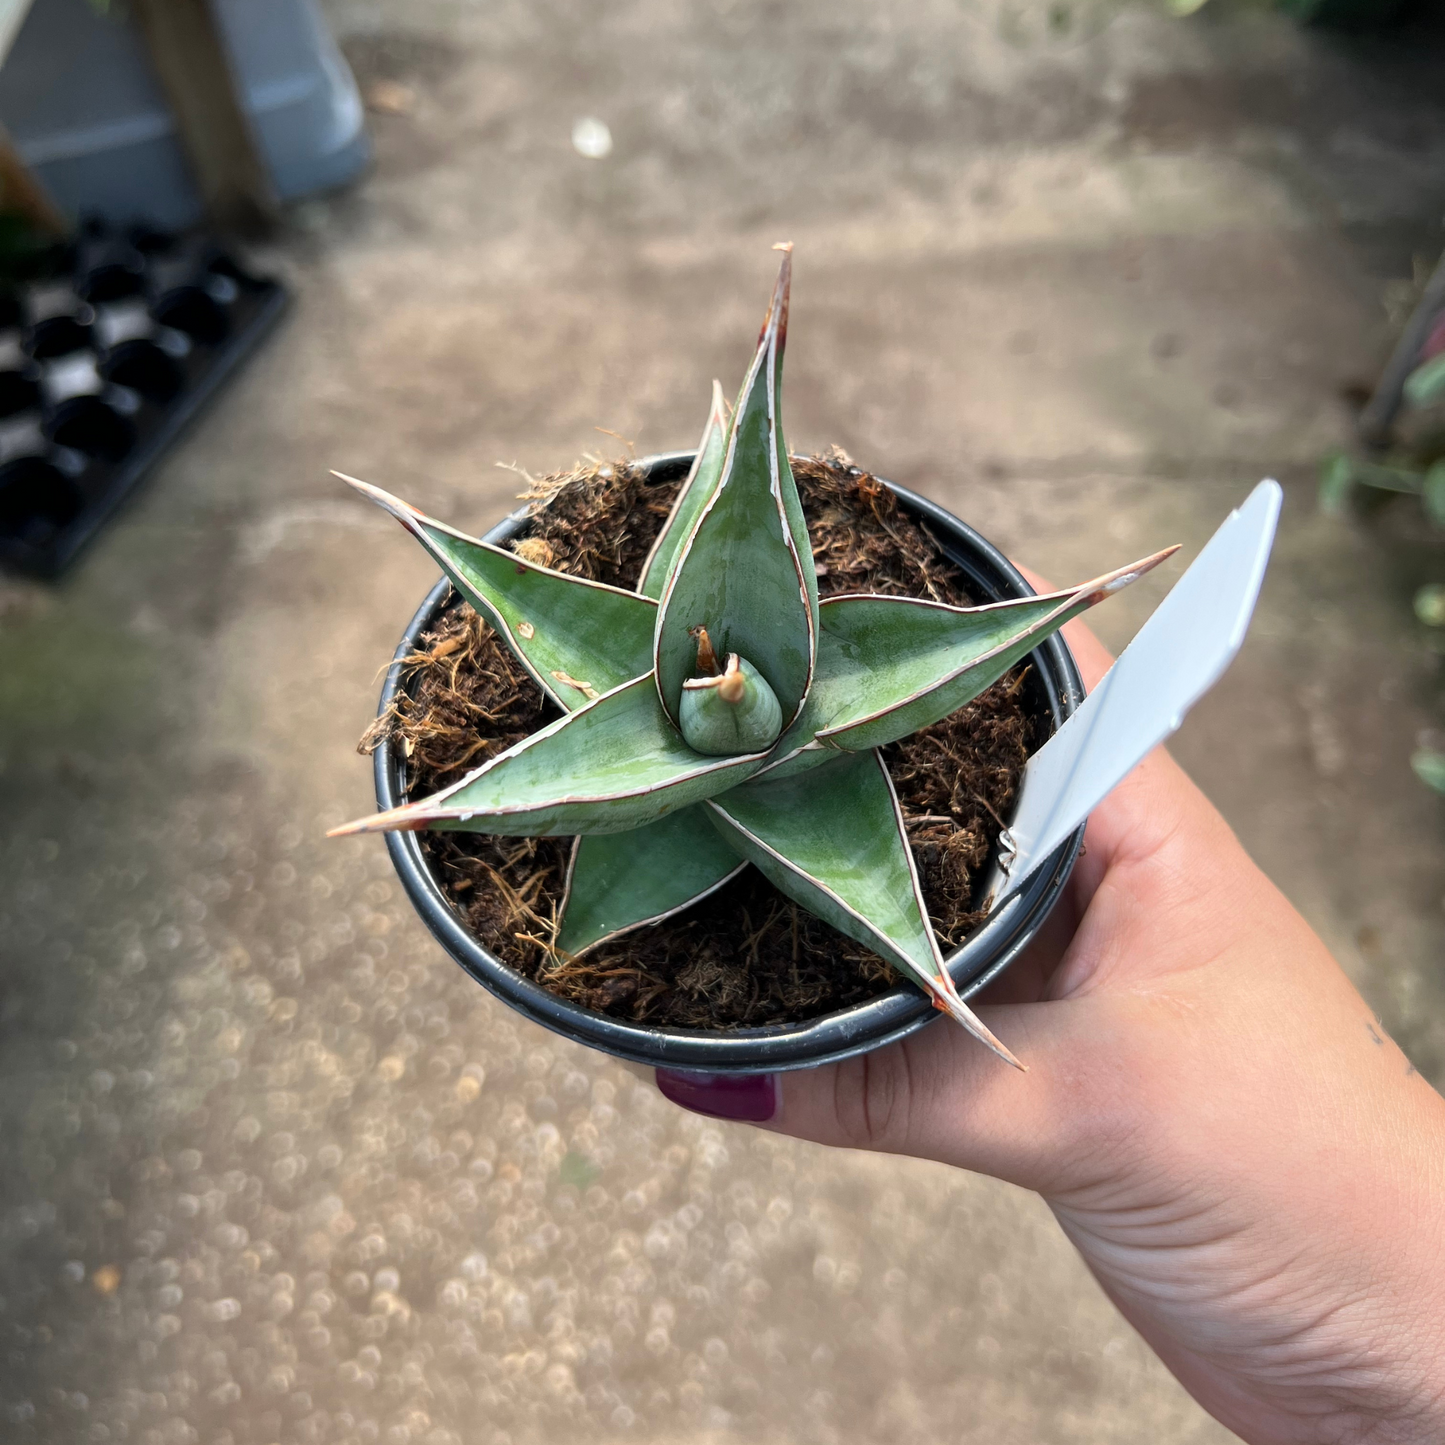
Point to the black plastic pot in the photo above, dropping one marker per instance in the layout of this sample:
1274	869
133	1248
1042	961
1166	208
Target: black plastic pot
1053	691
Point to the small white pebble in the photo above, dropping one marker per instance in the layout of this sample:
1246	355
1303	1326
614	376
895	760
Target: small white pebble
591	138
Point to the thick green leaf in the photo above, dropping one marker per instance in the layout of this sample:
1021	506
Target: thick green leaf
888	666
619	881
912	662
614	764
834	841
696	492
743	573
577	638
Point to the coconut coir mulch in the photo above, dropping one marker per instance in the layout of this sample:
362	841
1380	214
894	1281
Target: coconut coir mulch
745	956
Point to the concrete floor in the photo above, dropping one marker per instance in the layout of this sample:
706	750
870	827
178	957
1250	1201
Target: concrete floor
276	1171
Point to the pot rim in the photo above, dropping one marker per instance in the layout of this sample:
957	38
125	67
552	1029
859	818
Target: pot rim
862	1027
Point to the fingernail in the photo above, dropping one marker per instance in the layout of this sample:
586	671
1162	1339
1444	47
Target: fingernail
752	1098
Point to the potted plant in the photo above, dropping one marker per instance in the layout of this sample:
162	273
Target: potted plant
723	750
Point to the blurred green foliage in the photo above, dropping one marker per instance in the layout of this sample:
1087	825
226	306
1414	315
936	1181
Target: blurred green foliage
1426	384
26	254
1429	767
1347	482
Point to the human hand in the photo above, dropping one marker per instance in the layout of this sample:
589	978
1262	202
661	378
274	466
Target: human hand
1251	1168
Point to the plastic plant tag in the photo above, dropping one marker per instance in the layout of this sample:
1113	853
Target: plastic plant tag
1176	657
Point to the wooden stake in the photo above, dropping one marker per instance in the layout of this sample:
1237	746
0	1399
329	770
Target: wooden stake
189	51
20	191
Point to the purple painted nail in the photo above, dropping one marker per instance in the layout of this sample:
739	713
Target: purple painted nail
752	1098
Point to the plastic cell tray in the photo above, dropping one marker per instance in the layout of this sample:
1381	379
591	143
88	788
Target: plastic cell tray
103	361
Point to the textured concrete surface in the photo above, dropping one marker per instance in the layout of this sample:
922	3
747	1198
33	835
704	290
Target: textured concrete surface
275	1171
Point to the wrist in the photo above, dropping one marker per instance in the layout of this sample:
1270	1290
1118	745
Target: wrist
1387	1383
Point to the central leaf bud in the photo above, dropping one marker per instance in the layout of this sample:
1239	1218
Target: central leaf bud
726	711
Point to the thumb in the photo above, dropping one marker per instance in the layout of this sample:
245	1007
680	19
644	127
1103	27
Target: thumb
938	1095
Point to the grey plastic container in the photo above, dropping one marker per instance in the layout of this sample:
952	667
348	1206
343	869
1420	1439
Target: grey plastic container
85	110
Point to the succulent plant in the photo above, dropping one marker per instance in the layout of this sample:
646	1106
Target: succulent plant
720	715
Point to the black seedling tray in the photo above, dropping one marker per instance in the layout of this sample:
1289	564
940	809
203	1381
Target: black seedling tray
105	355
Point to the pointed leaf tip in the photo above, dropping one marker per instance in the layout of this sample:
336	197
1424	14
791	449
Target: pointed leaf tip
368	490
946	1000
576	638
404	512
393	820
745	569
888	666
1125	576
365	488
775	323
835	842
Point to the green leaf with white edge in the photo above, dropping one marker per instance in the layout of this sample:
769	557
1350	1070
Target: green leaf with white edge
915	662
1426	384
696	492
834	841
614	764
620	881
787	483
888	666
578	639
742	573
